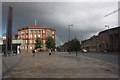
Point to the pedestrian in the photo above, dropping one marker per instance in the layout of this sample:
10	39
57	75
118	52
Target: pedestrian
50	52
33	51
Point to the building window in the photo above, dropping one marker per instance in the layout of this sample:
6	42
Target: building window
38	30
30	41
31	30
22	36
53	32
26	36
43	31
39	35
35	31
31	35
22	32
18	37
43	36
43	41
53	37
35	36
26	41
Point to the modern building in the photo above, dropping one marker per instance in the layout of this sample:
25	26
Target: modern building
15	46
30	33
107	40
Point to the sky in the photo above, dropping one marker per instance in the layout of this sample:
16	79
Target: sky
87	17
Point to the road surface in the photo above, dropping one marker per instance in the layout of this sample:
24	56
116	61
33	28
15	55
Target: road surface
108	57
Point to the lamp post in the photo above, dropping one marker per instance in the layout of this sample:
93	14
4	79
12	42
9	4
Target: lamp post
69	36
107	45
107	26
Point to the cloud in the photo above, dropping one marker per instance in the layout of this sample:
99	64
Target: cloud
87	17
60	1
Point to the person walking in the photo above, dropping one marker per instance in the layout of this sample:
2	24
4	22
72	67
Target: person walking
33	51
50	52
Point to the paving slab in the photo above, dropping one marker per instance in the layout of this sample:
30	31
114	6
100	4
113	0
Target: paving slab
62	65
0	66
9	62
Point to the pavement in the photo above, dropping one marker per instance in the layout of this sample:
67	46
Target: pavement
0	66
62	65
9	62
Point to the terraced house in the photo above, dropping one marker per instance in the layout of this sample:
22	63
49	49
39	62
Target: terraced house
30	33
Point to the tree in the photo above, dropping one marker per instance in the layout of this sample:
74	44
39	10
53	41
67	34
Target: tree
38	43
76	45
50	43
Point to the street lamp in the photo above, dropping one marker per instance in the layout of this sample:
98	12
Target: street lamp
69	30
107	26
107	46
69	35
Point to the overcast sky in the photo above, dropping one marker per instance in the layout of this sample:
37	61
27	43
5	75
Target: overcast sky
87	17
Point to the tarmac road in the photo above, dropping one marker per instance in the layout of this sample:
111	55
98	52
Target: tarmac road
108	57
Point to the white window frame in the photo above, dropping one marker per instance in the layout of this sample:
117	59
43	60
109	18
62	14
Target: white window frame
31	35
35	36
43	31
34	41
30	41
26	36
53	37
53	32
26	41
39	35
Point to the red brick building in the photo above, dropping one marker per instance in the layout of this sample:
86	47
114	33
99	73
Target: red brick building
30	33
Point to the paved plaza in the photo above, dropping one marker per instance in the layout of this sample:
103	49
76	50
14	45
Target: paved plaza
62	65
0	66
9	62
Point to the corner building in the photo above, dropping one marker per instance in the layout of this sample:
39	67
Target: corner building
30	33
